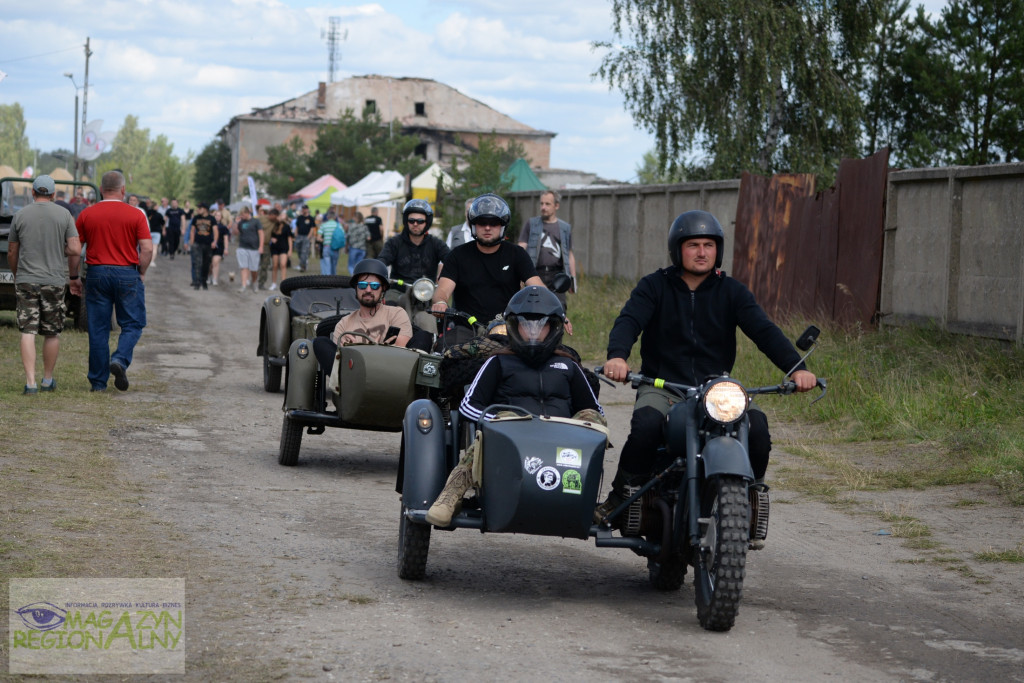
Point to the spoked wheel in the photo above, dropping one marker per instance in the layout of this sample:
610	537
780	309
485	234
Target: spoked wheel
291	441
721	559
413	546
271	372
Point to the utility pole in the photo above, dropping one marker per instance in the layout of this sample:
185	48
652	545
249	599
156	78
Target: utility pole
85	97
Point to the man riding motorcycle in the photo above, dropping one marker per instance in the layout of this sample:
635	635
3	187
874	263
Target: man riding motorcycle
413	253
688	315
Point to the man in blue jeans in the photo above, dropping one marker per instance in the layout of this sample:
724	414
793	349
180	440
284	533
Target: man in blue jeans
119	251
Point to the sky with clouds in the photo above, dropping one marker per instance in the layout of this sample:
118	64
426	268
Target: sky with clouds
185	68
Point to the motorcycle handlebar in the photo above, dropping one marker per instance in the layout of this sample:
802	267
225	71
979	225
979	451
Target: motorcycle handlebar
785	388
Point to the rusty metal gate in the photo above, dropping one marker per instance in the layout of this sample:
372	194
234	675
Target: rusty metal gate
818	256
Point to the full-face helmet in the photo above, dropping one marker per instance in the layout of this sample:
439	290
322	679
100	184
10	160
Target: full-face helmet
694	224
528	312
488	206
418	206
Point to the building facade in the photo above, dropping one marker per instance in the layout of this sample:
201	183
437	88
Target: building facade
448	123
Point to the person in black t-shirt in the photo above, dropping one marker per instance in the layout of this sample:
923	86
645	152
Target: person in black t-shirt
200	245
303	225
484	274
172	233
375	226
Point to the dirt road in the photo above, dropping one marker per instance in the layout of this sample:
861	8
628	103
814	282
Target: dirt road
292	570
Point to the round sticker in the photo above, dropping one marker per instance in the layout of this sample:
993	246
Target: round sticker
548	478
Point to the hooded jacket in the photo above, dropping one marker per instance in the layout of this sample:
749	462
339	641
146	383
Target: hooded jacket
689	336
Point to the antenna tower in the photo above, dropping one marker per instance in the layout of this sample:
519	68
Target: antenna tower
334	37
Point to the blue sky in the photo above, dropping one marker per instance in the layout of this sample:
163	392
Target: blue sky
186	67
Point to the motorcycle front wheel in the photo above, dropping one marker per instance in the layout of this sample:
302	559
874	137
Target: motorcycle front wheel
720	562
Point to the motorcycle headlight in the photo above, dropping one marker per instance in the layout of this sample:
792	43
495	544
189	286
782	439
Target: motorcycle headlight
725	402
423	289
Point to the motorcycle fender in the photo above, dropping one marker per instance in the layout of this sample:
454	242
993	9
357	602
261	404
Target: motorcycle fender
302	367
726	455
425	469
277	318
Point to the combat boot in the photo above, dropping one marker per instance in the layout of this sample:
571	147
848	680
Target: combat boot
450	499
621	490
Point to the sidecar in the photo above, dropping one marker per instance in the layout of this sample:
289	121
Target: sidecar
537	476
295	312
368	387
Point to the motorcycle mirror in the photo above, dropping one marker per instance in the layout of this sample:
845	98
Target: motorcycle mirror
808	338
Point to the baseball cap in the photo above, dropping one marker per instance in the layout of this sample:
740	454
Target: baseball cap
43	185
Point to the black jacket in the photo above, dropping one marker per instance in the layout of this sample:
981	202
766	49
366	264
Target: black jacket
410	261
689	336
557	388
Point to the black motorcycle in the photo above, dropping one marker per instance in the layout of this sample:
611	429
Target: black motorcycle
542	476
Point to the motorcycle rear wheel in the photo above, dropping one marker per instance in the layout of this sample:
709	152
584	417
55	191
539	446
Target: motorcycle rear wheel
413	547
720	562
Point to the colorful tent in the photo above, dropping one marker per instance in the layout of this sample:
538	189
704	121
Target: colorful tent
522	177
375	188
424	186
322	201
317	187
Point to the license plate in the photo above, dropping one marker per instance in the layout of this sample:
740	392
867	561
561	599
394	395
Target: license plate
6	276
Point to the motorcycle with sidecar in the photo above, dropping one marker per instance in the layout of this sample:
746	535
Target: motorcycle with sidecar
541	476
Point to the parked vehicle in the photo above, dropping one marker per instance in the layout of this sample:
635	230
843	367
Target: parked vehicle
542	476
15	194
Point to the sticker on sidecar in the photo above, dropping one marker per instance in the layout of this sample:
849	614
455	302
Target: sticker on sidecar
548	478
572	482
533	464
569	457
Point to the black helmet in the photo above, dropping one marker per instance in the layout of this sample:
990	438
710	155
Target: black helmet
417	206
369	266
695	224
488	206
534	306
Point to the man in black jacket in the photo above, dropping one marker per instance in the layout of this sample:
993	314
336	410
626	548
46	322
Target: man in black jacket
688	315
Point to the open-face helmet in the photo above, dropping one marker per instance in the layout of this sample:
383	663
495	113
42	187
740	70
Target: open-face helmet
694	224
369	266
528	311
418	206
488	206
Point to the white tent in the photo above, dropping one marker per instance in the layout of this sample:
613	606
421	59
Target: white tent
375	188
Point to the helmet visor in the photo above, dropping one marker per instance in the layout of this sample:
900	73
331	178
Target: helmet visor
533	330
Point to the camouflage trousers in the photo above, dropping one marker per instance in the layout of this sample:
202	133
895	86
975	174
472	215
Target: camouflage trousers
41	309
264	267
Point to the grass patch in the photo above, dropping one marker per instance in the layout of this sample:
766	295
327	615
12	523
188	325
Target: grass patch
1015	556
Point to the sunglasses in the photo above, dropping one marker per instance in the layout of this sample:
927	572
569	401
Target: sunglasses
372	285
417	221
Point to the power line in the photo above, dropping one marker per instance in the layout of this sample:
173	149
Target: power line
45	54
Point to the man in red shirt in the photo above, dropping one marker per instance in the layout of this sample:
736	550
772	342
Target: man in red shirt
119	251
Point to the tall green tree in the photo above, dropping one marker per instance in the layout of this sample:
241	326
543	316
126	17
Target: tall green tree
149	166
127	153
14	149
213	172
880	72
962	86
758	85
651	171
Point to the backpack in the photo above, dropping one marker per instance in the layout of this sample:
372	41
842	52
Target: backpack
338	239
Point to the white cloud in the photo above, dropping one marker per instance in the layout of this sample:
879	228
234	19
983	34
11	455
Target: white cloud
184	68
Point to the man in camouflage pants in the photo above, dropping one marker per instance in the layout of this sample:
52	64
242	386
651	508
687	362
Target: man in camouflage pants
43	249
